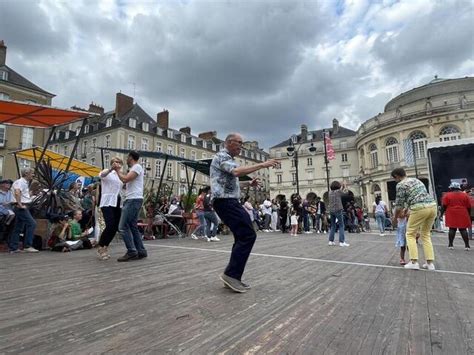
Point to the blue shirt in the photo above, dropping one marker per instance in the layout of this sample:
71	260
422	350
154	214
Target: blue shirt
223	183
6	199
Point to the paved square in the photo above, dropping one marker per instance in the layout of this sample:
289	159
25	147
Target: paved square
307	297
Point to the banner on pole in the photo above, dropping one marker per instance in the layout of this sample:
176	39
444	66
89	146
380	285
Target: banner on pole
331	155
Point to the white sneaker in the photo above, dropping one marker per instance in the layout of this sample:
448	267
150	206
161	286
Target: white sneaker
214	239
467	248
30	250
413	266
194	236
318	232
331	243
207	238
344	244
451	248
266	230
382	234
430	267
308	232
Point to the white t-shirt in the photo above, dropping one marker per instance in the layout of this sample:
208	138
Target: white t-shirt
294	220
22	185
380	208
135	187
111	186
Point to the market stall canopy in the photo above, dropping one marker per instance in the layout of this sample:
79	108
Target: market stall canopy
202	166
58	161
39	116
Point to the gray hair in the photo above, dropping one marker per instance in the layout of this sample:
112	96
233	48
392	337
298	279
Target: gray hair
230	136
26	171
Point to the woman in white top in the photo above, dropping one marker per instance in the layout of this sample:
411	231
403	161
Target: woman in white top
380	210
110	206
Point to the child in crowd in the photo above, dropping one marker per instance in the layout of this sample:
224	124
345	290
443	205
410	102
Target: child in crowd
294	224
401	235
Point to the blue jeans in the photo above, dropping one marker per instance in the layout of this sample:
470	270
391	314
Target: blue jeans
380	218
306	222
211	218
238	220
201	229
128	228
340	219
23	220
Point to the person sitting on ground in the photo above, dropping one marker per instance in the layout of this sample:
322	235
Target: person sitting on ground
60	233
76	231
6	198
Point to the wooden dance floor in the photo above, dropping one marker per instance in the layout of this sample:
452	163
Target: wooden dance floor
306	298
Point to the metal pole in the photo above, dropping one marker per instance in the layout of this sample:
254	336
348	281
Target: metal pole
414	157
102	157
161	177
326	161
45	147
17	165
75	145
297	177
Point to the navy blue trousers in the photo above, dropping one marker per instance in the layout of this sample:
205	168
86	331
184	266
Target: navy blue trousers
238	220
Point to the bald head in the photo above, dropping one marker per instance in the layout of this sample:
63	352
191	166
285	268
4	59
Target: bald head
233	143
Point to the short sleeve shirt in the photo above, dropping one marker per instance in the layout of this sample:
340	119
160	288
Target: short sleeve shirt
223	182
135	187
412	194
22	185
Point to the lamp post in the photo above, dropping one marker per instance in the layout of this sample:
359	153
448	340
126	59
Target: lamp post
326	160
293	152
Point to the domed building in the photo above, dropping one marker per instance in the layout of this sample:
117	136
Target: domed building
442	110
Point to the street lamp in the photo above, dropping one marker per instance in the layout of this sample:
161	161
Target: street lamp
292	151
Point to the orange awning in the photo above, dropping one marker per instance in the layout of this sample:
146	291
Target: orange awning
33	115
59	161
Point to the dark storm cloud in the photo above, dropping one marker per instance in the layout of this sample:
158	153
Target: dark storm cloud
442	40
27	29
262	68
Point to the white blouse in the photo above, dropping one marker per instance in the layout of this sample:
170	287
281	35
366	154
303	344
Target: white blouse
111	187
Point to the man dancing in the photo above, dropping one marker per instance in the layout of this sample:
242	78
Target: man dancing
225	190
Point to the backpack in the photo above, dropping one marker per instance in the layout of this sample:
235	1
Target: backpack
207	202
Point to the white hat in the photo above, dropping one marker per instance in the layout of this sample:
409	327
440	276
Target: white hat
455	185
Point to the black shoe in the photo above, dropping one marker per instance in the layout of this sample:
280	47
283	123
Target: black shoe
142	255
128	257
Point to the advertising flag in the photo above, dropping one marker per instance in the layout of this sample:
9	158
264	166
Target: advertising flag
329	147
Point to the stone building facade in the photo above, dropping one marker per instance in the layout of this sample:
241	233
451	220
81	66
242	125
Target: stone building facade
14	86
312	177
441	110
128	126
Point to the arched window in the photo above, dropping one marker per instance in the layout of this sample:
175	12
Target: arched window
391	147
374	159
376	190
449	133
419	144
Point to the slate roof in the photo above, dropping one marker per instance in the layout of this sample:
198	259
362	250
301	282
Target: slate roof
138	113
16	79
318	136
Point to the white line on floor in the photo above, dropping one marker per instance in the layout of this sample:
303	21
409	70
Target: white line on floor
307	259
110	327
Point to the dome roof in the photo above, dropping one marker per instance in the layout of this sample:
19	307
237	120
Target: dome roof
435	87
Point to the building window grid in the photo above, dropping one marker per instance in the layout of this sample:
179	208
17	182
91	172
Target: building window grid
279	179
170	149
310	161
344	157
158	168
94	145
107	141
132	123
3	130
145	144
108	122
27	137
84	148
159	147
391	147
374	159
131	142
145	126
449	133
170	170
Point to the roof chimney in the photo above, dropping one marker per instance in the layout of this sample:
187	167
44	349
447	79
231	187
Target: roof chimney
3	53
186	130
96	108
163	119
207	135
304	133
335	126
123	104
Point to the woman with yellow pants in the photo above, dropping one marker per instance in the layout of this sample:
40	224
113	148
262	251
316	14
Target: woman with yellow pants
412	194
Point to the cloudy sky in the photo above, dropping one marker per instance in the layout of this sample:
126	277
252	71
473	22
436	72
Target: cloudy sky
258	67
